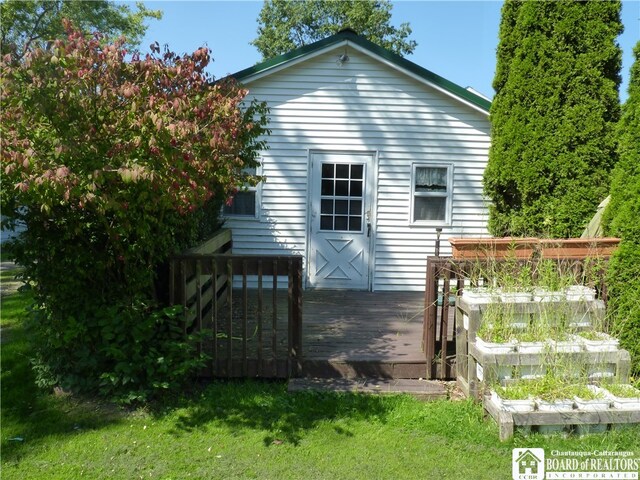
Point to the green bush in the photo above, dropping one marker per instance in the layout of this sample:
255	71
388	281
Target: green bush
553	116
113	165
623	280
621	219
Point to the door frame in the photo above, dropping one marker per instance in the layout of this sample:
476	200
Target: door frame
371	199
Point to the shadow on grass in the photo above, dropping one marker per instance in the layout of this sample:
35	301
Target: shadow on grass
30	415
266	406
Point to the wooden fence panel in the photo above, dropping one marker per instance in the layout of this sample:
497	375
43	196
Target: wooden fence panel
239	343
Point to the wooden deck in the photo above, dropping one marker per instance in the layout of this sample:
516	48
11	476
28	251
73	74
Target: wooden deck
363	334
345	334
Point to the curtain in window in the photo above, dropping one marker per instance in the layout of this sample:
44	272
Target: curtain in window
430	179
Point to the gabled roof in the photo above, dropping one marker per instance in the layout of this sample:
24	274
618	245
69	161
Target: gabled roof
348	36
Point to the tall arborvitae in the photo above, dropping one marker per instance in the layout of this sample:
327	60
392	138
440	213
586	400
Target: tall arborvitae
622	219
553	116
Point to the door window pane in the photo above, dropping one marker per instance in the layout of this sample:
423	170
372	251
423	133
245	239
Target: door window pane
342	207
356	188
341	222
341	192
326	206
342	171
327	187
342	188
327	170
355	224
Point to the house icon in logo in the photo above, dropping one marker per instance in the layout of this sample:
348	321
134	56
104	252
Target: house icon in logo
528	463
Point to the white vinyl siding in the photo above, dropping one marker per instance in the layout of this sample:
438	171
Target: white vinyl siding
366	105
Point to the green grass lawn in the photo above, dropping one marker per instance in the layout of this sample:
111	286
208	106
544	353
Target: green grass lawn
250	429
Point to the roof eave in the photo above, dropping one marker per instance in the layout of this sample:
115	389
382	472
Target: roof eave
415	70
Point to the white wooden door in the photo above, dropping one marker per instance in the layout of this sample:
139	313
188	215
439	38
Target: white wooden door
340	216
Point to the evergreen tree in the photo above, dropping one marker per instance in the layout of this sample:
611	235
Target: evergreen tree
621	219
288	24
553	116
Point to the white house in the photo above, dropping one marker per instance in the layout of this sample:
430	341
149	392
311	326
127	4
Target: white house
369	154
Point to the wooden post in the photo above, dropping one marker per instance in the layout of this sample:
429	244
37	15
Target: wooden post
430	302
274	320
444	324
245	308
259	319
214	314
230	317
295	316
183	289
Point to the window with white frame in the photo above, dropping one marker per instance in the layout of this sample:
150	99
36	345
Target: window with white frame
244	202
431	193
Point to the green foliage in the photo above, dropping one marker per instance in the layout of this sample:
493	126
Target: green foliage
548	388
114	165
27	25
623	390
553	116
623	283
288	24
139	353
621	219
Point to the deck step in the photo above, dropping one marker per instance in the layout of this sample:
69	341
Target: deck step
355	369
421	389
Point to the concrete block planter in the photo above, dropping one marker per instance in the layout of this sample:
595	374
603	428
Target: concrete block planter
479	295
530	372
599	404
572	344
562	405
544	295
531	347
494	348
599	342
580	293
629	401
593	405
512	406
516	297
598	372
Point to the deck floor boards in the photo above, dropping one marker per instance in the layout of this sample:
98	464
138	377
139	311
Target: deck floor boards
363	326
344	333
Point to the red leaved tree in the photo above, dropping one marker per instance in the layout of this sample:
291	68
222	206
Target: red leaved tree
110	162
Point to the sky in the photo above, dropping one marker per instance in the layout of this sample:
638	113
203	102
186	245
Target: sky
456	39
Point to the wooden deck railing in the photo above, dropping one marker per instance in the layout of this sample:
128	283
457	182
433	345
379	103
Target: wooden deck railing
253	330
443	273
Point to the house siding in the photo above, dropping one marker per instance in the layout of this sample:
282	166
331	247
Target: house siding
365	105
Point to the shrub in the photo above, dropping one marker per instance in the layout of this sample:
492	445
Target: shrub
113	165
553	116
621	219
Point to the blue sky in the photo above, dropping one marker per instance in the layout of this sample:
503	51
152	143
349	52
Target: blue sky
456	39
